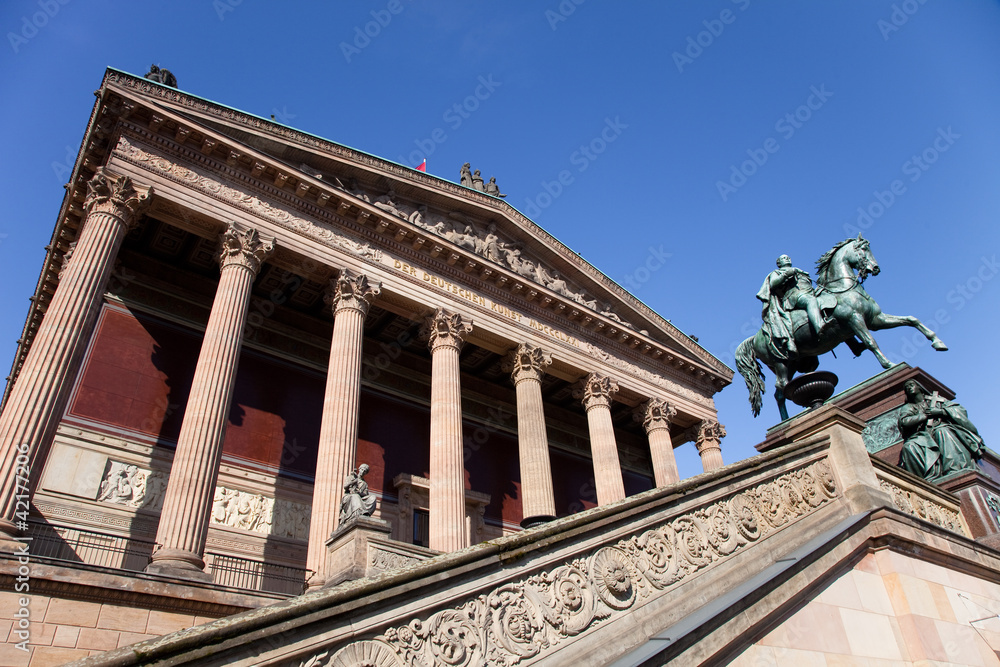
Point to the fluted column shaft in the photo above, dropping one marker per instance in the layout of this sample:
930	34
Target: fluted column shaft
38	396
656	416
596	396
350	295
527	366
446	333
709	443
187	502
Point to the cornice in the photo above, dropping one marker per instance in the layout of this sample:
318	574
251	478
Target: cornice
153	91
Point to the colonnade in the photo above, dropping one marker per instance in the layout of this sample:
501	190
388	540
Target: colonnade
113	206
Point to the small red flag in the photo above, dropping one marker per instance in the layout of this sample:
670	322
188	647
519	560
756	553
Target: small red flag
422	166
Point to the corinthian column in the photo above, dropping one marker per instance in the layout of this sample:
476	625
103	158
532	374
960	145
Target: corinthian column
187	502
709	443
656	415
527	366
350	296
36	401
445	333
596	397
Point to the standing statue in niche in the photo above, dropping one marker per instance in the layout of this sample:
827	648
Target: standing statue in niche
938	438
358	500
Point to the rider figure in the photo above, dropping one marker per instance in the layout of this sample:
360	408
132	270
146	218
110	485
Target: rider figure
785	289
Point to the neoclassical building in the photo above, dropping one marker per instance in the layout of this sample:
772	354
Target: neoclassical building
234	315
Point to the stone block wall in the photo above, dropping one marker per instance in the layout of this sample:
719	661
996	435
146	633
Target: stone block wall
63	630
890	610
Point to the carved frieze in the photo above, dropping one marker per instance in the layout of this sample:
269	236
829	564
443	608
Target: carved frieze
527	618
922	507
246	201
129	485
383	560
259	514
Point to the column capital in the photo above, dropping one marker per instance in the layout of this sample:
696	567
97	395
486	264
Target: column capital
656	413
352	291
246	249
444	329
596	390
116	195
709	434
527	362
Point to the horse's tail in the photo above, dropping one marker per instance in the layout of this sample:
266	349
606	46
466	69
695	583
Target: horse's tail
751	371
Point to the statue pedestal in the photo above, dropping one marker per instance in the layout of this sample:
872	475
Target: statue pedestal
980	498
362	548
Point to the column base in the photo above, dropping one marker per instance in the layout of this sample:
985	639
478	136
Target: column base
532	521
179	564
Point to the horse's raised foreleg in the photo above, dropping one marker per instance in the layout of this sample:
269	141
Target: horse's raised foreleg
886	321
860	329
782	374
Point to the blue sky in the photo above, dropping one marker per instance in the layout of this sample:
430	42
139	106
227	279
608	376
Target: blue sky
646	106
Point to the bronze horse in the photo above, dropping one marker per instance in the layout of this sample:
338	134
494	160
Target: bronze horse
840	274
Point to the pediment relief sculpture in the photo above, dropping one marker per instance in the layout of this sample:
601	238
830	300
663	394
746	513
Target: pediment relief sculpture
487	243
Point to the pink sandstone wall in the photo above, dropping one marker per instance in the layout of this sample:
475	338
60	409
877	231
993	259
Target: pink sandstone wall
66	630
891	610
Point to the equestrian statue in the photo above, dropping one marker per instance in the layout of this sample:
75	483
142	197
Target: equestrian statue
801	323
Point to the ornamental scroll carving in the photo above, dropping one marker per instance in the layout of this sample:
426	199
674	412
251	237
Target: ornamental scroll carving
243	200
526	618
642	373
923	508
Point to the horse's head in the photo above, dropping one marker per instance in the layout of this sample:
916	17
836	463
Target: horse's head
862	259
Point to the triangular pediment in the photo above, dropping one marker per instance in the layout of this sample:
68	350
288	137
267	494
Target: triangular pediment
483	234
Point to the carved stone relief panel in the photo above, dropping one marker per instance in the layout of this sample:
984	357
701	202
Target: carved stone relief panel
128	484
260	514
